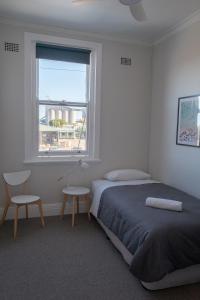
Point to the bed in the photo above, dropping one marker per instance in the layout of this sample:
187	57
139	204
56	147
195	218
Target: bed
162	248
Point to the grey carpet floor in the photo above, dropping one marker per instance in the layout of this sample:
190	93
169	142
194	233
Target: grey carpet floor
64	263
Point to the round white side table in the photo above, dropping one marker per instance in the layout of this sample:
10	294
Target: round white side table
77	193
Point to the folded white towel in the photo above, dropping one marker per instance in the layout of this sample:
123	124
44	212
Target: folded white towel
164	204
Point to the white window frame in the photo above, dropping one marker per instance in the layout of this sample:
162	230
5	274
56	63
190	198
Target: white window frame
30	90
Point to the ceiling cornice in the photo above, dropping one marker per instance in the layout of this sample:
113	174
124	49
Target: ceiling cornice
64	30
193	18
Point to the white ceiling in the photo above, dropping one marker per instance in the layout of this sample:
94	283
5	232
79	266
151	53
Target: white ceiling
107	17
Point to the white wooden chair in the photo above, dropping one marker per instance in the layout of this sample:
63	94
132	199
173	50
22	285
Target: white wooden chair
19	179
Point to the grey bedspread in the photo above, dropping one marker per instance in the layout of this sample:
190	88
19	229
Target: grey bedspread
161	241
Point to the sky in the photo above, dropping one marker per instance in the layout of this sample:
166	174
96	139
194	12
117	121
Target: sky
62	81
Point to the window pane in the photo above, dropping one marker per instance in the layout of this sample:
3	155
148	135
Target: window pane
62	128
59	80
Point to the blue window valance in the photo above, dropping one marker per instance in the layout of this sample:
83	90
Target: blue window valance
63	53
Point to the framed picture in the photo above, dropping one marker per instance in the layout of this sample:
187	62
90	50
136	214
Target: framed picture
188	123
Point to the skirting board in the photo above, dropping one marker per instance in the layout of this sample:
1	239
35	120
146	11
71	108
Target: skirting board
50	209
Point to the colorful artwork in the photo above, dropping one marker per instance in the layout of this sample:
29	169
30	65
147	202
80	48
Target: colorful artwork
188	127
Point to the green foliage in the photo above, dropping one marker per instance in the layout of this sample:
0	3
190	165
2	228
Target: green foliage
57	123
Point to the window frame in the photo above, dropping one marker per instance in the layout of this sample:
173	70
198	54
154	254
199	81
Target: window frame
32	153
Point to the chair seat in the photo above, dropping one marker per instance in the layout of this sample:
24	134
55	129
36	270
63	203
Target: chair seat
24	199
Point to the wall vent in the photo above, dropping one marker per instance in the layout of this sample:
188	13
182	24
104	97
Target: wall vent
126	61
11	47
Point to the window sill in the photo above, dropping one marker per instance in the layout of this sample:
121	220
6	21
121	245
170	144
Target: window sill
60	159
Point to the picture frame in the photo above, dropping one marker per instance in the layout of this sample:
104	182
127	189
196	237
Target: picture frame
188	121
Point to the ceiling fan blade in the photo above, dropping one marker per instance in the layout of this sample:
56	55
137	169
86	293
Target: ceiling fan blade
129	2
82	1
138	12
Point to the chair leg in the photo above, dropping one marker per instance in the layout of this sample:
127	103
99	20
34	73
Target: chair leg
41	213
26	211
16	222
4	213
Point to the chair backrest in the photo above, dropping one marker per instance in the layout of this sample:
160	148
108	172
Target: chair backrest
16	178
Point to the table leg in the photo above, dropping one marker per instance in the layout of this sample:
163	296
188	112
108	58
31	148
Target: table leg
26	211
63	206
41	212
77	204
88	207
73	209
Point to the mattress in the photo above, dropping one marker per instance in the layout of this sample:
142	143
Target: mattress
98	186
179	277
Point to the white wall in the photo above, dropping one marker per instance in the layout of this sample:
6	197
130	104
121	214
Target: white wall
176	73
125	117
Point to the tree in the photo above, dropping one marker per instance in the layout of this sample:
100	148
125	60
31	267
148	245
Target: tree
57	123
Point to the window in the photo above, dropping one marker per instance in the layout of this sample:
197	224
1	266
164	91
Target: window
63	97
62	93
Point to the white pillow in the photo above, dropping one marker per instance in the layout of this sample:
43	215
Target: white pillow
126	174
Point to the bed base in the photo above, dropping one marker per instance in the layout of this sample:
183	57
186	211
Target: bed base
180	277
